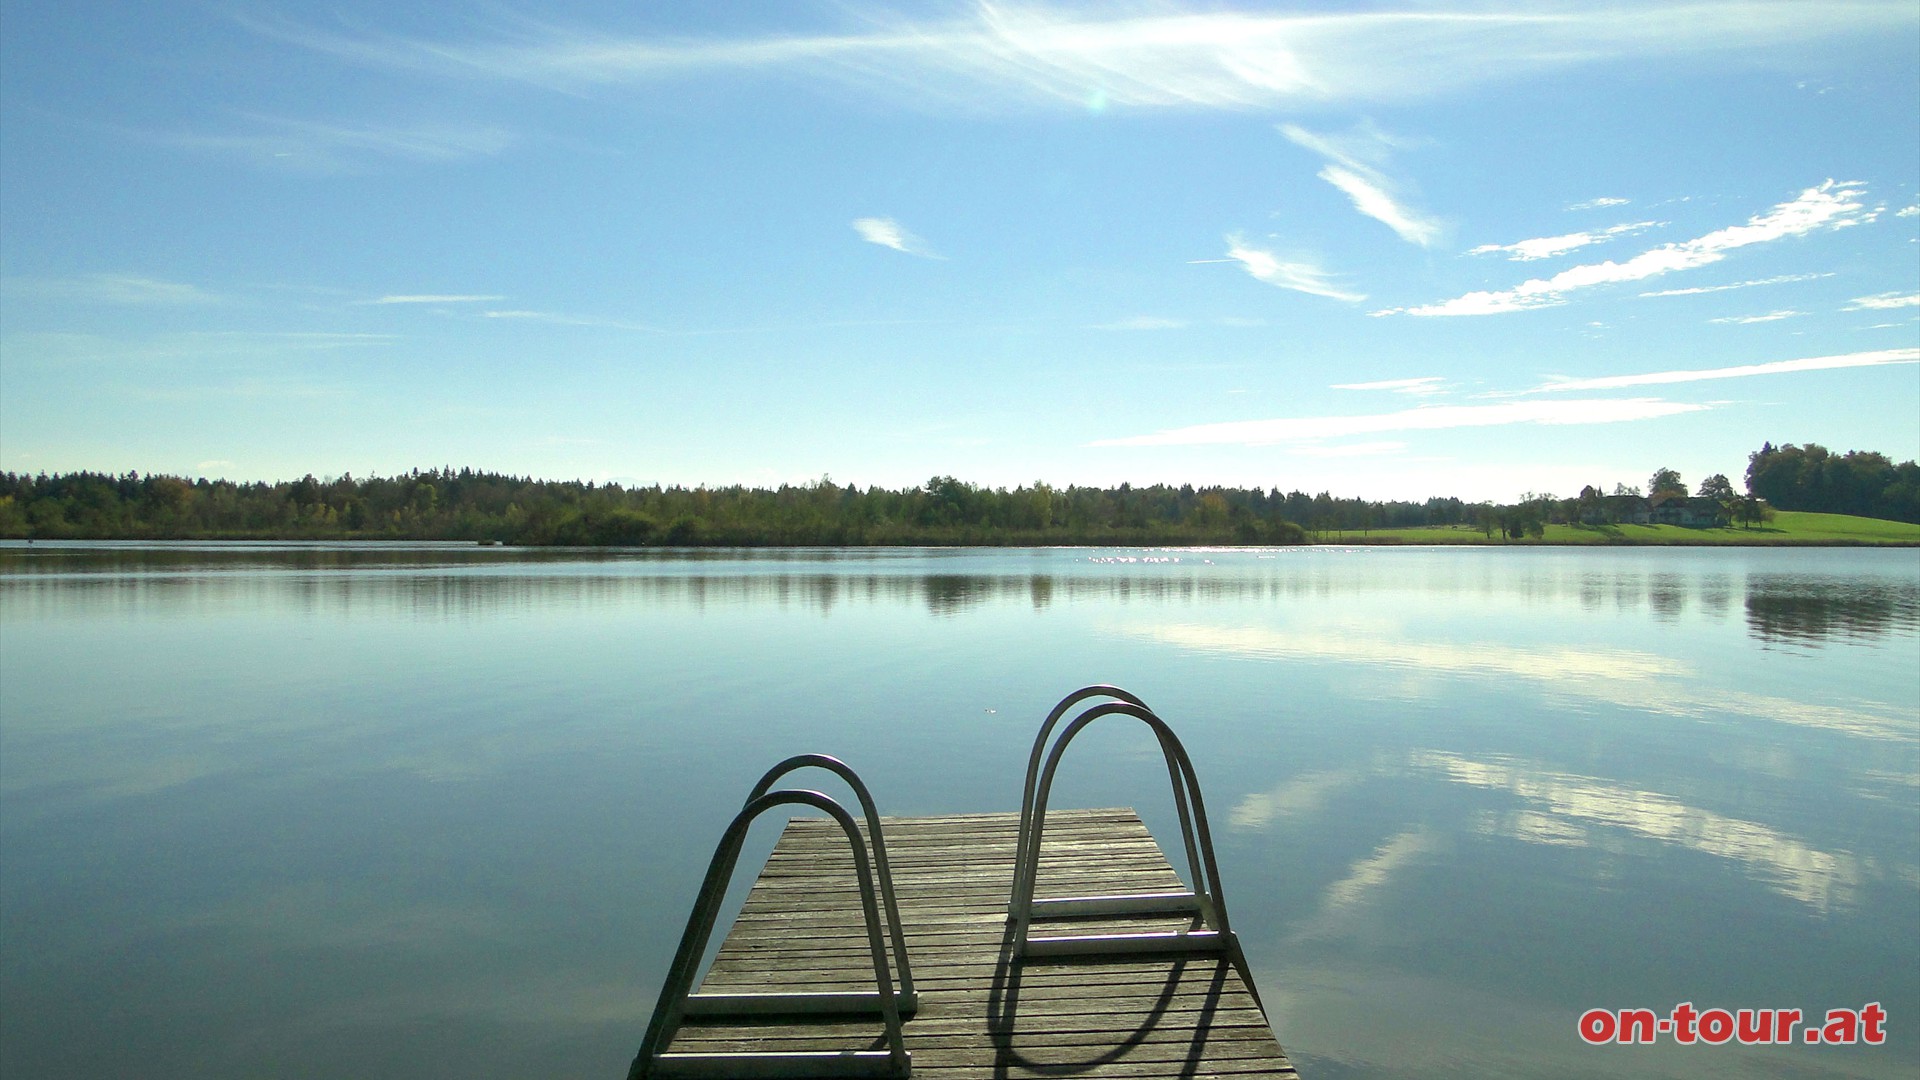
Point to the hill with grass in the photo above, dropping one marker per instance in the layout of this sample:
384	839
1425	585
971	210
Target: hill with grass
1787	528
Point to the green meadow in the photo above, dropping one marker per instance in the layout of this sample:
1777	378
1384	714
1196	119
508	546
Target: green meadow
1788	527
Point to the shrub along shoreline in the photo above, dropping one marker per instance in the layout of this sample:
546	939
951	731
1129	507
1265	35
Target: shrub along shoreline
1787	529
445	505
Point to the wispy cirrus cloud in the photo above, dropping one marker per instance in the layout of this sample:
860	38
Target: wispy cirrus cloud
243	387
1347	450
436	298
1547	247
113	289
889	233
1143	322
1600	203
1372	196
729	329
1697	290
1831	205
1357	159
1158	322
1296	273
1426	384
1422	418
181	355
1023	55
561	319
342	147
1885	301
1749	320
1874	358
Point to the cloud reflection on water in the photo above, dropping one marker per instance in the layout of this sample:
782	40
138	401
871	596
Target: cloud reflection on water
1343	903
1301	797
1564	810
1820	879
1625	678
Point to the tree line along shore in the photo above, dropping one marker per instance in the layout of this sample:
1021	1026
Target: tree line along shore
485	507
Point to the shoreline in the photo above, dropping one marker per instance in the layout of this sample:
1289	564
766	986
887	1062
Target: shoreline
24	543
1789	528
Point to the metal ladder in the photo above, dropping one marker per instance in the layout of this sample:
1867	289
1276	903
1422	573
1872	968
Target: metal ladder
1205	900
656	1059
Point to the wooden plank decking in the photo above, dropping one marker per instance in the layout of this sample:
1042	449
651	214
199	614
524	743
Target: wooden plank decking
979	1015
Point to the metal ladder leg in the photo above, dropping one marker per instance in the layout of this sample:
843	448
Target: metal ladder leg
907	998
1207	900
1033	765
656	1058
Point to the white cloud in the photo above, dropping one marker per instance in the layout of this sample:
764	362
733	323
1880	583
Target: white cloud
1777	367
1699	289
1357	157
119	289
1020	55
437	298
1546	247
182	361
558	319
1748	320
1911	211
1885	301
329	147
1143	322
1298	275
1372	197
889	234
1831	205
1600	203
1427	384
1365	449
1423	418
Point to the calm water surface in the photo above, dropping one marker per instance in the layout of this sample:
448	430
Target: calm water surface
270	810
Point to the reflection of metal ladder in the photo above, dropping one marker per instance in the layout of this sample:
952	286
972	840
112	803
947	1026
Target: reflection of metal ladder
657	1059
1204	901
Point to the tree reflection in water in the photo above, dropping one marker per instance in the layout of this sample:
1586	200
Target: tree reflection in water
1812	612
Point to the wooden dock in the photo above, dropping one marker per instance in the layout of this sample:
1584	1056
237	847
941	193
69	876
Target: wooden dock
982	1014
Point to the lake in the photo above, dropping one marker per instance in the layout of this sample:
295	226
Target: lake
433	810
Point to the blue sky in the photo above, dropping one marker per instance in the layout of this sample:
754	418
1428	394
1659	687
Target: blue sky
1389	250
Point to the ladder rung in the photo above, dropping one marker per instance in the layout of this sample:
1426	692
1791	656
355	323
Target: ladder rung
1136	904
771	1066
1190	941
851	1001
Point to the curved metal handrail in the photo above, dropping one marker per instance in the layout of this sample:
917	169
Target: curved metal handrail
1206	871
1033	762
654	1060
1023	867
1208	899
909	1000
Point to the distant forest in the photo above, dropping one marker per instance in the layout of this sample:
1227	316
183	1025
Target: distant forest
445	504
1812	478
